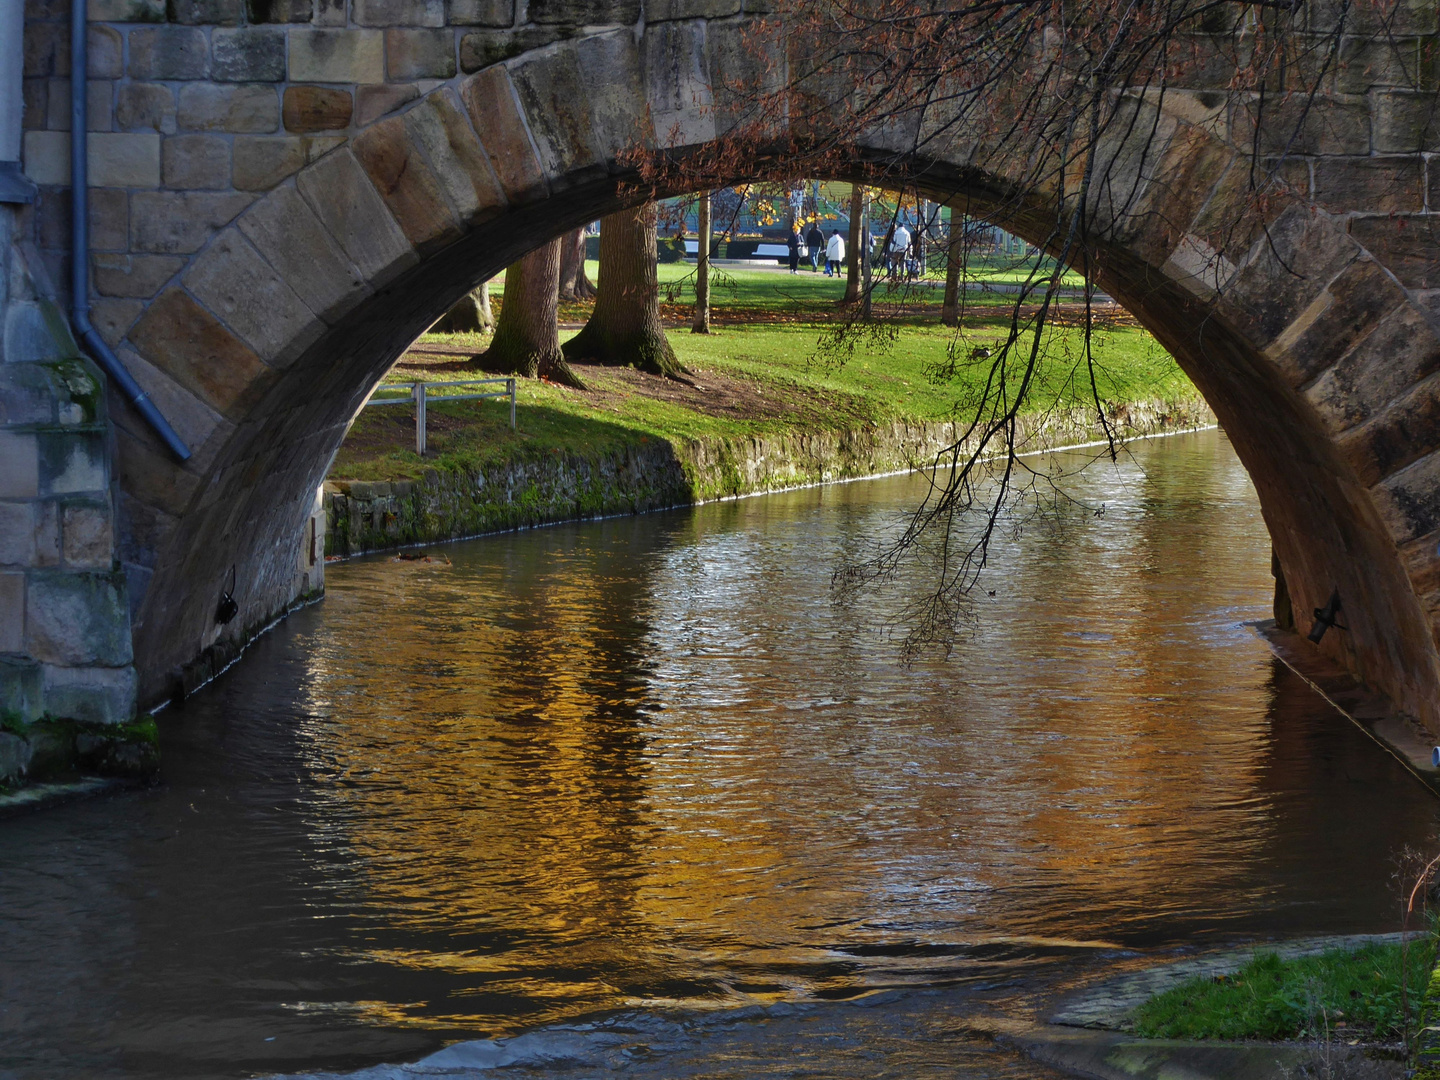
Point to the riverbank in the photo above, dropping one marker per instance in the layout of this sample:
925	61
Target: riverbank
766	407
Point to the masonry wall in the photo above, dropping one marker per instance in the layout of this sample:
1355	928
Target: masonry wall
65	649
656	474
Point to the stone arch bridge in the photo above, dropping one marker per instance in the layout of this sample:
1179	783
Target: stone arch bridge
284	193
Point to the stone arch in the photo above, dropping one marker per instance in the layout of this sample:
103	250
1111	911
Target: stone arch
263	346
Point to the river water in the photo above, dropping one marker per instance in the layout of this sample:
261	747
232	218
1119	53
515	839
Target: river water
649	794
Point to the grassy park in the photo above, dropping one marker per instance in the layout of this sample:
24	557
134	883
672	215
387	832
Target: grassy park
764	368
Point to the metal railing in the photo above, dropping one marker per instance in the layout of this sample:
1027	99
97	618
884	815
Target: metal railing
420	394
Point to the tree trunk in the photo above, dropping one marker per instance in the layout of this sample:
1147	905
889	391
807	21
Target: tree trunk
954	257
527	336
482	297
867	284
702	270
624	329
469	315
574	285
856	250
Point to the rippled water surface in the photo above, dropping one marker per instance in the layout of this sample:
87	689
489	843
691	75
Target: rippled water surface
650	792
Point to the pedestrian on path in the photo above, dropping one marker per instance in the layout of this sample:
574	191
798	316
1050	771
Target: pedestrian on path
834	254
815	245
795	249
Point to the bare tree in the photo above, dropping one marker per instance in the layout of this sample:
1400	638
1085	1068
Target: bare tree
527	334
852	268
624	330
574	285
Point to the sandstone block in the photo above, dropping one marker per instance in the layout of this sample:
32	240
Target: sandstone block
35	95
35	332
283	11
1400	352
89	543
46	157
186	342
109	219
261	163
346	202
664	10
248	54
1401	17
46	49
207	12
77	618
72	462
99	97
677	83
196	161
439	126
27	396
317	108
291	238
92	695
12	612
180	222
1368	61
1396	437
1404	244
112	317
17	534
337	56
133	276
494	110
407	183
1297	126
169	52
14	757
124	160
1346	314
246	108
47	534
420	54
144	11
19	466
192	419
104	53
480	50
399	12
234	282
496	13
585	12
1405	123
145	105
330	13
373	102
1383	185
585	108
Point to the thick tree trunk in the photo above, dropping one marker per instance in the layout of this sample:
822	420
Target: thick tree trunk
624	329
855	249
482	297
574	285
527	335
865	256
701	324
954	258
469	315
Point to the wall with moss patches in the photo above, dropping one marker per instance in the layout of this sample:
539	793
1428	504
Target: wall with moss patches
653	474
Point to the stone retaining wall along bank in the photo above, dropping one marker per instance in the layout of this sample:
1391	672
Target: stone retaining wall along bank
653	474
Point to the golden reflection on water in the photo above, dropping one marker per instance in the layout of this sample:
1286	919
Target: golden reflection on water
656	759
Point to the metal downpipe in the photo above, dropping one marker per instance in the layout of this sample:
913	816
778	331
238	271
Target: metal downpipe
80	242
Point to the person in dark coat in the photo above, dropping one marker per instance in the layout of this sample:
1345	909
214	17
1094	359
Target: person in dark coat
795	249
815	242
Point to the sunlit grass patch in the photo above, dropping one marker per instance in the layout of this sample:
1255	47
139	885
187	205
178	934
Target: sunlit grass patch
1341	993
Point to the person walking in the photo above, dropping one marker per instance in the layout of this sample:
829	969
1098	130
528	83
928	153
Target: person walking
834	254
795	249
899	250
815	245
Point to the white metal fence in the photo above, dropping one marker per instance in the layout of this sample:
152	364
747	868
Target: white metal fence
421	394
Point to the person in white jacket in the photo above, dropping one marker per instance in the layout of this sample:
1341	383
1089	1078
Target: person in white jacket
834	254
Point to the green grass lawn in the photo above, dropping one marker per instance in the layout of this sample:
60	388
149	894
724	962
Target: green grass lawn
1336	994
750	379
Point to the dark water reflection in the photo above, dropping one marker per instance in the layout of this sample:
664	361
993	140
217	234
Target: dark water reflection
655	765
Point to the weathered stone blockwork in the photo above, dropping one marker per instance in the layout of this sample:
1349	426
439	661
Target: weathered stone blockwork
280	205
65	646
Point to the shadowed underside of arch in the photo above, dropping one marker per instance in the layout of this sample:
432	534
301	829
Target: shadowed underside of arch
1312	341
